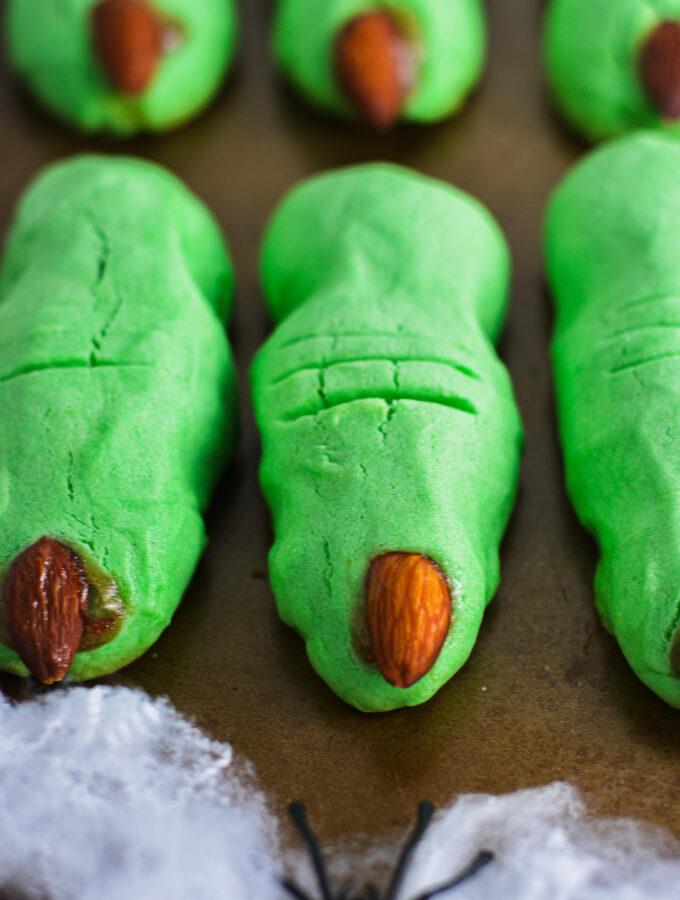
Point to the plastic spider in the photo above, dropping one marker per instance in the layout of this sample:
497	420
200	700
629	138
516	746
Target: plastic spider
425	812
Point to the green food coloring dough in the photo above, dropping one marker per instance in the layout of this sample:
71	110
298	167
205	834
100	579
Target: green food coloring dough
449	37
388	422
50	46
117	386
592	56
612	256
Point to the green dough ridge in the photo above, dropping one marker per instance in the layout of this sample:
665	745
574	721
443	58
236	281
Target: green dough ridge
57	63
591	53
452	36
117	385
387	420
611	246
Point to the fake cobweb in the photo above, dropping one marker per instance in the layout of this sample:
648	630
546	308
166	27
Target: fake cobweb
107	793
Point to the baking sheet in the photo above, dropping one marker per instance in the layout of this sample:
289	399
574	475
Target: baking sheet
546	693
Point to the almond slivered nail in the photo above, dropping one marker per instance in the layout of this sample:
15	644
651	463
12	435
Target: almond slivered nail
376	66
45	597
660	68
128	40
408	611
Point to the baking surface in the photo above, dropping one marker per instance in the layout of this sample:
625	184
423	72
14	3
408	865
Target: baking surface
546	693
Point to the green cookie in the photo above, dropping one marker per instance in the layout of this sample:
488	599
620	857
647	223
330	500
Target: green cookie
388	422
447	41
117	390
612	255
53	47
594	52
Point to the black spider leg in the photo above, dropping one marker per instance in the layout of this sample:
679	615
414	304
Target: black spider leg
297	814
482	859
425	813
294	890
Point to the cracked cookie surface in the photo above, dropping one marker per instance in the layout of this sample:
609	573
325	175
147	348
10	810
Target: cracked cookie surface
613	267
117	388
388	421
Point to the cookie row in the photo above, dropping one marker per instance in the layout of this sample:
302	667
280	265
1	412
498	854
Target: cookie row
391	440
123	66
380	398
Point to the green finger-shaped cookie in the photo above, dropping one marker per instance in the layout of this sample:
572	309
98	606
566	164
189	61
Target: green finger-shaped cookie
390	434
117	395
613	263
410	59
614	65
122	66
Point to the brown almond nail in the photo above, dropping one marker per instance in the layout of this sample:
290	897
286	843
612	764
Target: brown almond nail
45	596
376	66
128	40
408	609
660	68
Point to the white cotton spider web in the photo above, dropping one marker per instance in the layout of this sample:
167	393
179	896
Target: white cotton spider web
106	793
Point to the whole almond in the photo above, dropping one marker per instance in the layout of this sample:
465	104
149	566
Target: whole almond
45	596
376	66
408	611
128	41
660	68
